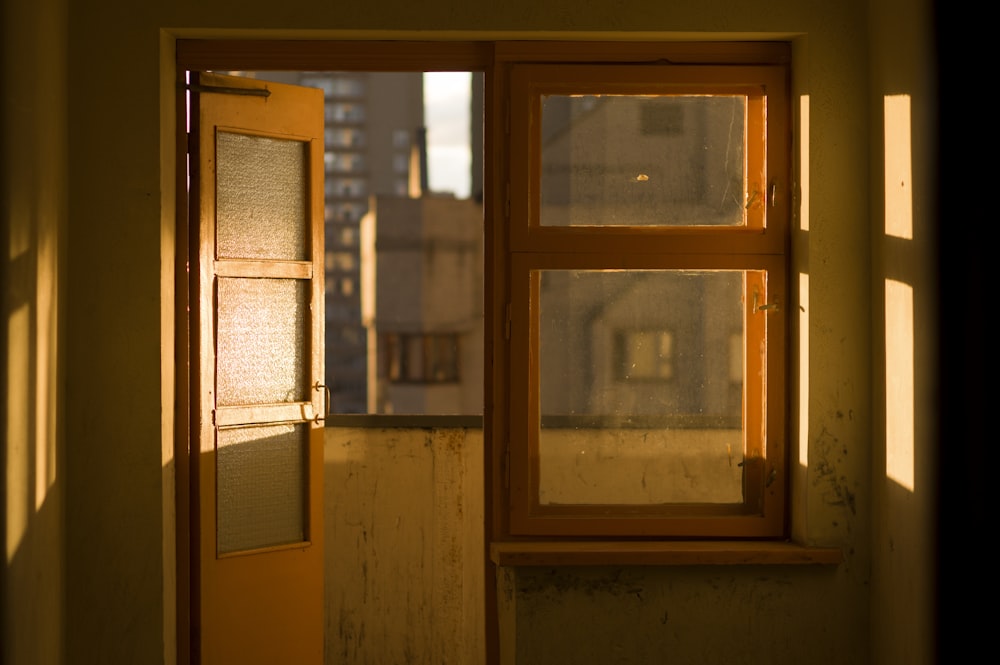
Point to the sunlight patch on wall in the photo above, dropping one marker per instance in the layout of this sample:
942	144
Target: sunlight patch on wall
803	369
17	429
899	428
804	162
45	369
898	175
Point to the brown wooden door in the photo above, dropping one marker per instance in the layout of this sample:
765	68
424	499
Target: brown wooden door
257	467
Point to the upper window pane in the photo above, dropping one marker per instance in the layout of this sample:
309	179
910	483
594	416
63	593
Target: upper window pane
643	160
261	197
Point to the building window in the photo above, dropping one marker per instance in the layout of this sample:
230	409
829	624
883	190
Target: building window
340	261
344	137
645	382
421	357
345	112
401	163
343	162
400	138
347	86
348	236
644	355
343	211
346	187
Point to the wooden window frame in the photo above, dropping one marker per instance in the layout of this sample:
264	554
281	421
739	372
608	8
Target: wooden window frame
521	530
397	356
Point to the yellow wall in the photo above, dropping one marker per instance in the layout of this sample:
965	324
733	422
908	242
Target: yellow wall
32	276
89	240
904	172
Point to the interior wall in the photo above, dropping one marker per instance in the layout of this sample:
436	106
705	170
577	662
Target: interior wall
905	320
33	225
96	142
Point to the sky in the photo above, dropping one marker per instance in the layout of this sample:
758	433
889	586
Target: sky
446	114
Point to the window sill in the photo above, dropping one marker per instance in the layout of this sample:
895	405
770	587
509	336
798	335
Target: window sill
672	553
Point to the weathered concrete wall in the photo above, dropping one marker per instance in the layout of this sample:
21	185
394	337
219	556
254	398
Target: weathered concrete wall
404	546
404	579
708	615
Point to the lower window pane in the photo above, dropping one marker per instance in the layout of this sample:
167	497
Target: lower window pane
261	476
639	400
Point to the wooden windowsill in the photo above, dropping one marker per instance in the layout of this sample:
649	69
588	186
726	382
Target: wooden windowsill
672	553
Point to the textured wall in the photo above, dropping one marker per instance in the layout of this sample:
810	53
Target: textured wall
404	546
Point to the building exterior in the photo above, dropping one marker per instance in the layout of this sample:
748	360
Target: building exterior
422	305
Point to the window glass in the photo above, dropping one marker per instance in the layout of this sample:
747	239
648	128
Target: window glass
640	160
603	337
654	397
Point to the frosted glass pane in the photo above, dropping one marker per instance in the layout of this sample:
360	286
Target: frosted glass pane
639	400
261	476
262	341
613	160
262	196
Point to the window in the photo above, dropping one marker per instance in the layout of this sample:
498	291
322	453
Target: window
644	383
645	355
343	86
344	211
420	357
343	162
345	112
400	138
346	187
344	137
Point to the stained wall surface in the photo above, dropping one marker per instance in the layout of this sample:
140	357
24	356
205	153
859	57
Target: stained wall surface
404	546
